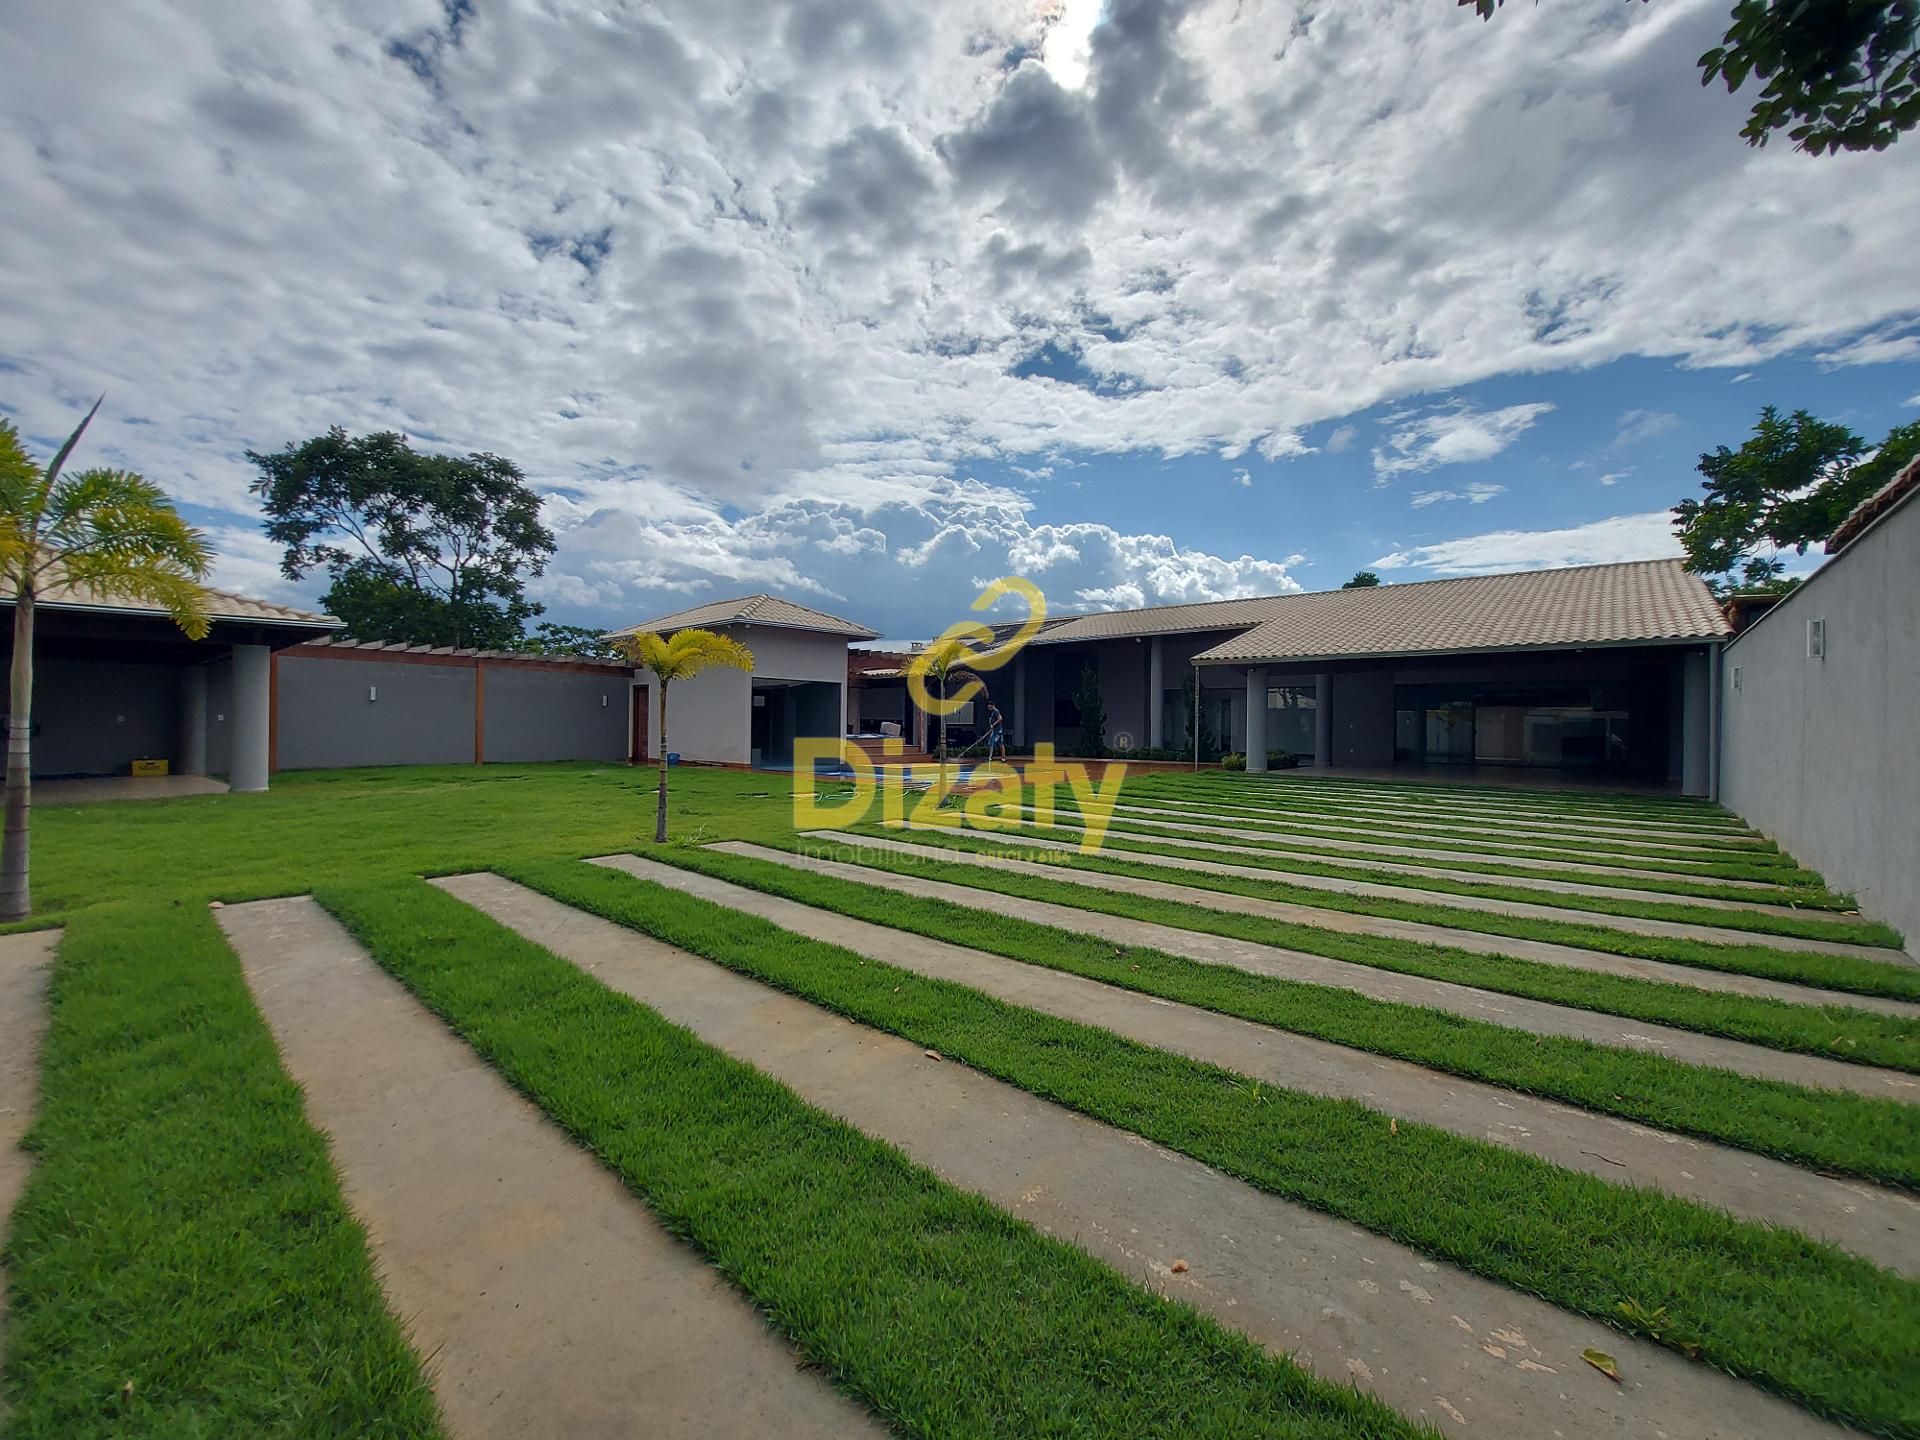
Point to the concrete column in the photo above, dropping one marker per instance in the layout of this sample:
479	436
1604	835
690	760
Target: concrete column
1257	719
252	716
1020	702
1696	747
1156	693
1322	721
193	720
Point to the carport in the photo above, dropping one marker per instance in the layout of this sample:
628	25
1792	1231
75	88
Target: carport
117	681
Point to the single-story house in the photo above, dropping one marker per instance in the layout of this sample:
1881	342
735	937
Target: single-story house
115	681
1606	669
798	684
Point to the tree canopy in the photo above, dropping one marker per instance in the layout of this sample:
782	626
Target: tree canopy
1790	483
1365	580
425	549
1837	74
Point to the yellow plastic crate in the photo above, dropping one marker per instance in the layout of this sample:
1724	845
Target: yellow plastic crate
149	767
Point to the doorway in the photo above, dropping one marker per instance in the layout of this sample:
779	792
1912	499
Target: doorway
641	708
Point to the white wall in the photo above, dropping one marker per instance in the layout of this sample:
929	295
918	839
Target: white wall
1824	754
710	717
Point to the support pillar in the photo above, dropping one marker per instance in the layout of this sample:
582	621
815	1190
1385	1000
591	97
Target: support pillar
1156	693
1020	703
1696	753
252	717
193	720
1257	720
1322	721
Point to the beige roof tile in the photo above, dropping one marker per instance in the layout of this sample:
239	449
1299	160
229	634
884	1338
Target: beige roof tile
1161	620
754	610
221	605
1641	602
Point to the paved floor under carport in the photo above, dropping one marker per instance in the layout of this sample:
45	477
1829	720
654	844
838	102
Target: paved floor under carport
91	789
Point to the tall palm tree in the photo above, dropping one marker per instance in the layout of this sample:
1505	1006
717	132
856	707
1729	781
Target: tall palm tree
105	532
681	658
942	661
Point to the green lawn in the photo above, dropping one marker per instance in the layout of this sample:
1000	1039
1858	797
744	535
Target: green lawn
183	1231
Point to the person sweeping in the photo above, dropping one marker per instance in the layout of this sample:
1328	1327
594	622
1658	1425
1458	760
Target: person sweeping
996	732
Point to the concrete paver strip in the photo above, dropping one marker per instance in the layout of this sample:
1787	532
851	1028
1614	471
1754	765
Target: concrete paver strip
1490	834
24	960
1443	855
1429	1339
1534	910
548	1298
1537	1017
1475	815
1572	957
1882	1225
1440	872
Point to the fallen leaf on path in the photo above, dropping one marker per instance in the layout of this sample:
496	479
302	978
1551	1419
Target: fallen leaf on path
931	1054
1179	1267
1603	1362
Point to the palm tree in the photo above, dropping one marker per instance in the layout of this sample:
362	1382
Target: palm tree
942	661
681	658
107	532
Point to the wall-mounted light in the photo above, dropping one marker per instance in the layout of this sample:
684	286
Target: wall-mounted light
603	702
373	692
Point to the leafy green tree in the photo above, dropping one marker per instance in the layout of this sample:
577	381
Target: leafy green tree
1365	580
583	641
1790	483
104	532
1092	706
1838	74
682	657
425	549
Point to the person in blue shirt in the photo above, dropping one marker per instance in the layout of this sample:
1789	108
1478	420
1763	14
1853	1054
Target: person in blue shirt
996	732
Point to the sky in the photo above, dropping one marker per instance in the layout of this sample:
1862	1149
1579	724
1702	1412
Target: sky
867	304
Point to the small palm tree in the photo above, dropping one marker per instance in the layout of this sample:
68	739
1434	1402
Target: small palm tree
108	532
942	661
680	658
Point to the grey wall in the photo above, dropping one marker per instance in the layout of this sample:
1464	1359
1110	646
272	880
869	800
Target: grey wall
423	716
710	716
1363	717
1821	754
94	717
535	715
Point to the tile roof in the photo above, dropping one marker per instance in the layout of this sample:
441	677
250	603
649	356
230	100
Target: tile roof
1161	620
221	605
754	610
1641	602
1888	497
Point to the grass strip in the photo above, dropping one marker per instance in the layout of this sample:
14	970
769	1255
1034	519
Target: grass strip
1764	1303
945	1314
1472	810
1770	865
1543	834
1450	793
1804	897
181	1262
1847	931
1833	1031
1828	1130
1850	973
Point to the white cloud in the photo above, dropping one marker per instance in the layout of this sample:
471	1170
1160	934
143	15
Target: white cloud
1744	377
1882	349
1475	494
1638	425
1647	536
1614	477
692	261
1453	437
1245	479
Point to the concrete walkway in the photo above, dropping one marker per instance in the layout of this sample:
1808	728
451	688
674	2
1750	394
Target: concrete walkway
1484	837
1537	1017
1435	1342
92	790
1531	910
1441	872
1457	814
1505	826
1882	1225
24	961
1572	957
547	1298
1443	854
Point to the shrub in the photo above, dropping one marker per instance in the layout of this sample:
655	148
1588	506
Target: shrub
1233	761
